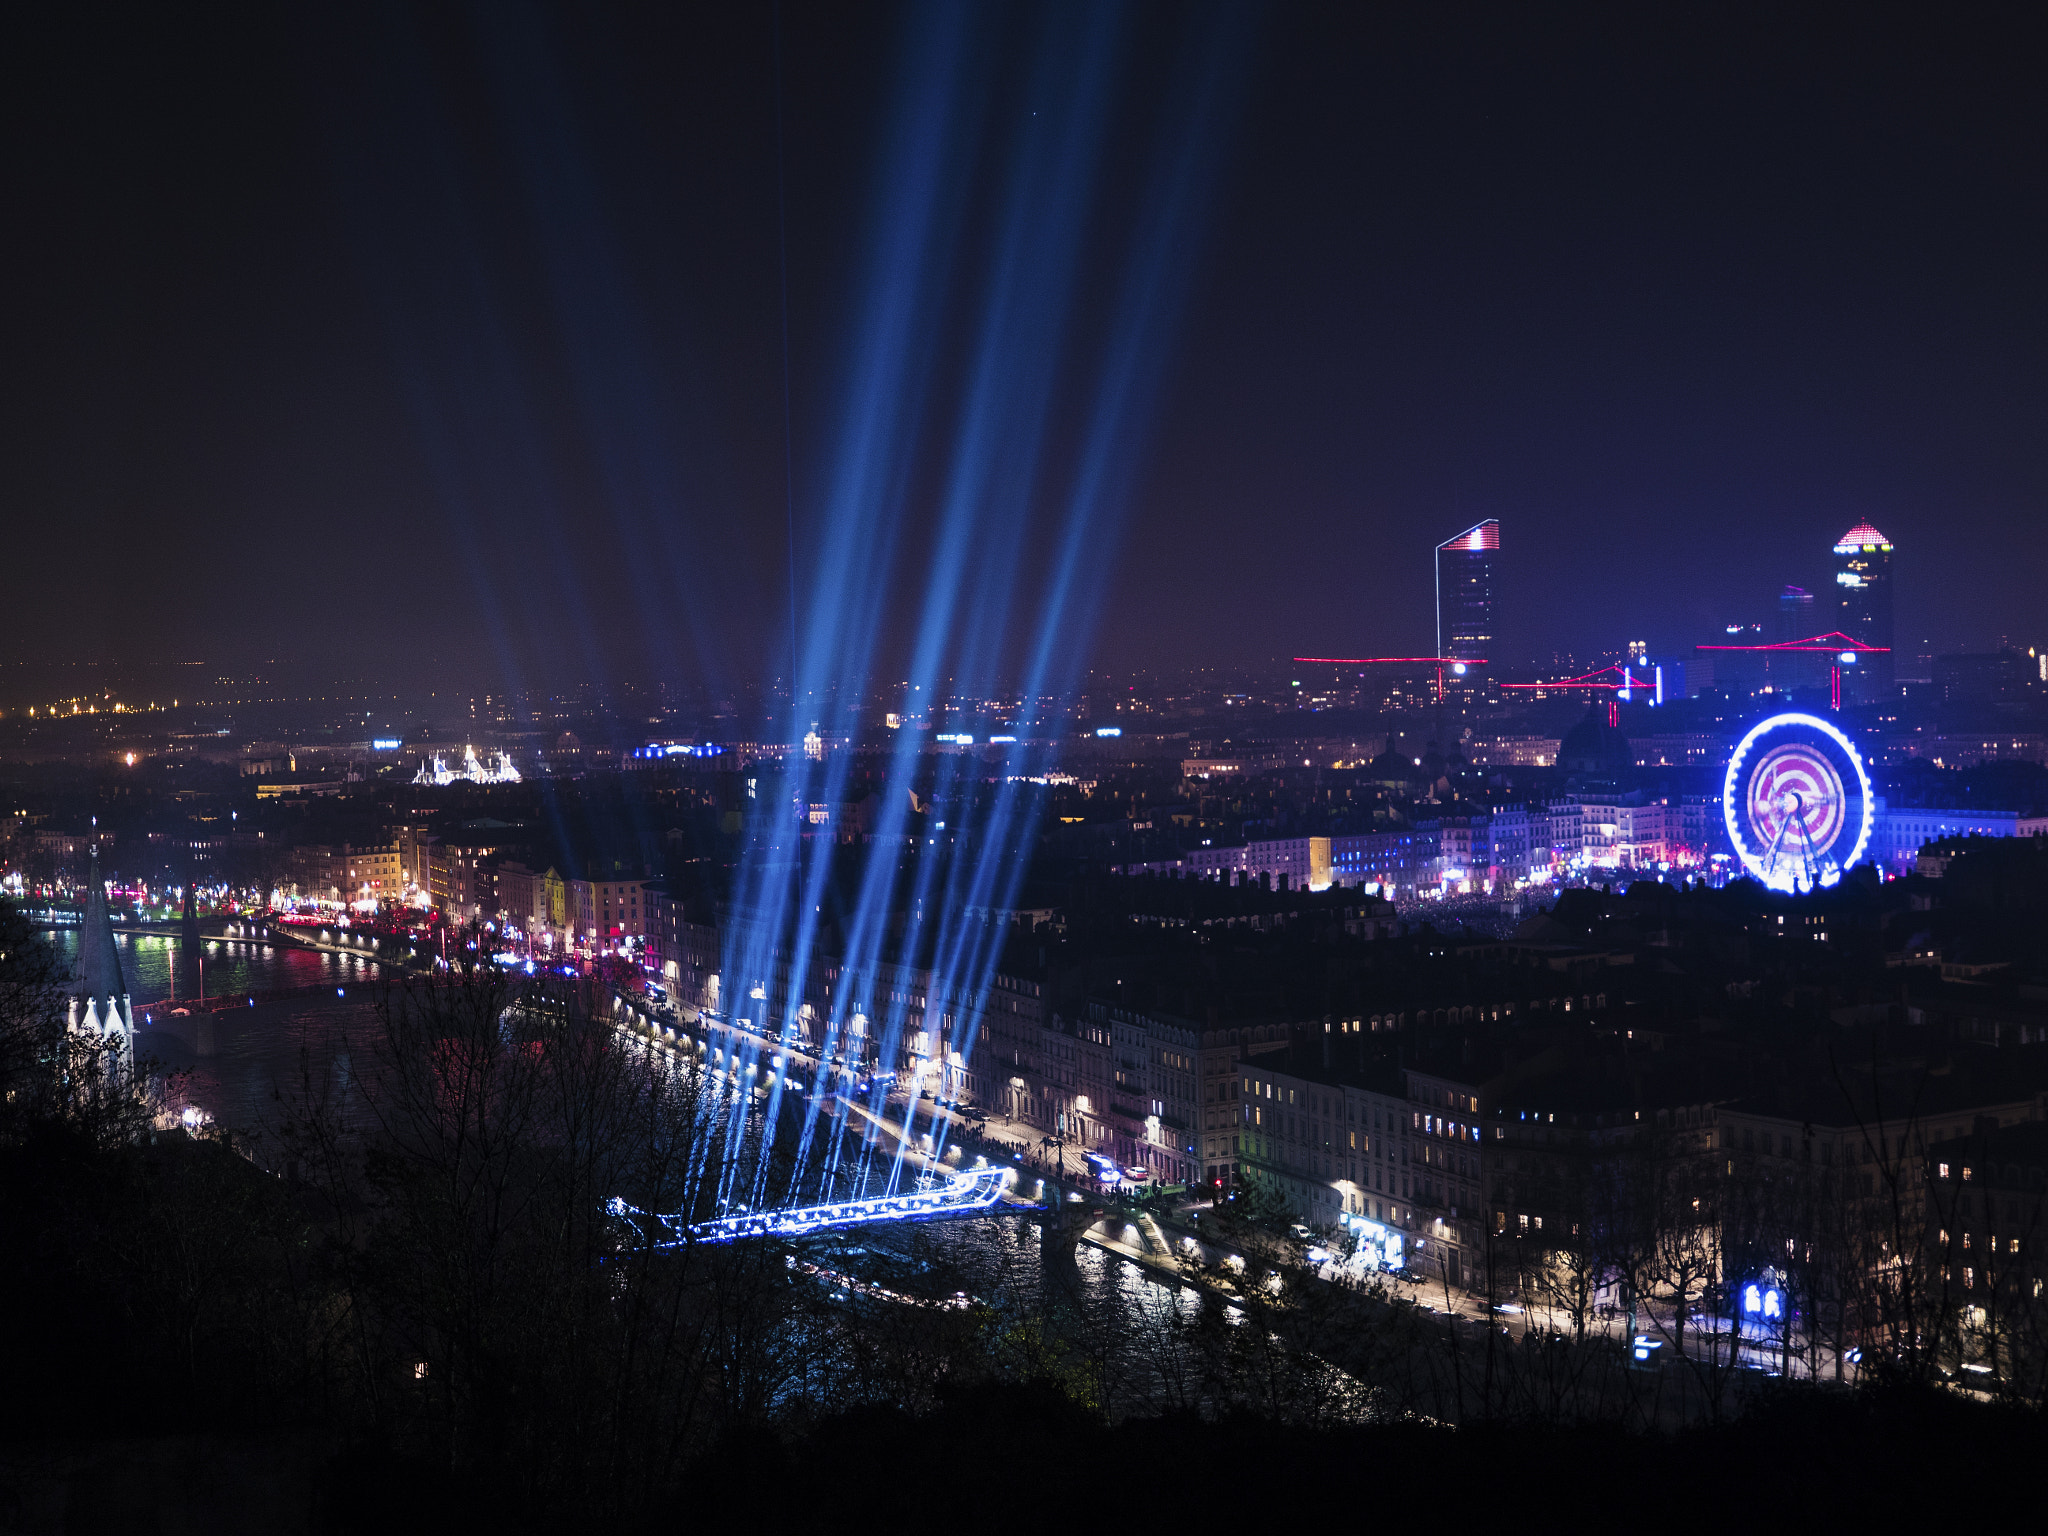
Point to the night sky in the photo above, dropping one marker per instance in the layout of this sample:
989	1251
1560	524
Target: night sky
450	339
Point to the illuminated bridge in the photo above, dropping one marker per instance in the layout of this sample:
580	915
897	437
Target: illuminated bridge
972	1192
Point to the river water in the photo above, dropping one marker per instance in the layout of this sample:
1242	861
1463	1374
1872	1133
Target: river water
234	1063
239	1065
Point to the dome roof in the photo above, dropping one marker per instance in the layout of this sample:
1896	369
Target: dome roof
1594	746
1393	766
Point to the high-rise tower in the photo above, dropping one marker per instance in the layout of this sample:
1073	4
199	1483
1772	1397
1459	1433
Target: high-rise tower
1863	585
1796	616
1464	593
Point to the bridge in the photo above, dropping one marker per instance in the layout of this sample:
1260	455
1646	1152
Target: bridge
64	914
971	1192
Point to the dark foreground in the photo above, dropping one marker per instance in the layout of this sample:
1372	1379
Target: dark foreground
1023	1453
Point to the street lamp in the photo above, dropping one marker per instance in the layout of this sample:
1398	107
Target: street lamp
1057	1140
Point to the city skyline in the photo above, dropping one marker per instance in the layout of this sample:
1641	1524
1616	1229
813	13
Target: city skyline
745	748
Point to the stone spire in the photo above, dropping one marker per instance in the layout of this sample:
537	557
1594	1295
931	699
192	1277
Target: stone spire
99	992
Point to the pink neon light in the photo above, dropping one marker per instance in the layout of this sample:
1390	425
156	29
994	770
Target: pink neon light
1835	640
1584	680
1419	661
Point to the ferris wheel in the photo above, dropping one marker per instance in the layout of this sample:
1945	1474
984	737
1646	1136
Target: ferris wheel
1798	803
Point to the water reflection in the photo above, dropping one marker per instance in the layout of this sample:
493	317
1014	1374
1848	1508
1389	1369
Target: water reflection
241	1065
159	968
234	1063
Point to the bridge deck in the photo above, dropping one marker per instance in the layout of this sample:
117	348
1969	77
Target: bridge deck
972	1192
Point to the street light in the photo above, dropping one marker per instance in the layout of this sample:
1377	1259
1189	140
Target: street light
1058	1142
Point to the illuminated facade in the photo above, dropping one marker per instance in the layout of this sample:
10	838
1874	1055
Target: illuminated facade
1399	1167
608	911
1621	831
462	881
1901	831
1863	586
520	903
1153	1105
435	770
347	873
1293	863
1465	592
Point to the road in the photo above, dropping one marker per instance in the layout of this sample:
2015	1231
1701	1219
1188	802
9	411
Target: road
1762	1350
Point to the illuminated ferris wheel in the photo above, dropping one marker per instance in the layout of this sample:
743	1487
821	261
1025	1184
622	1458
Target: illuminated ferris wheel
1797	801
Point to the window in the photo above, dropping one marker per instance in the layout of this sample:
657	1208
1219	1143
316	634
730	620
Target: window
1942	1168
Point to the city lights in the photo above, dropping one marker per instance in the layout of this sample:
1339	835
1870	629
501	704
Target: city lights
663	847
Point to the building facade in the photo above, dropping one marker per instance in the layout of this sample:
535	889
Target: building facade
342	872
607	913
1465	590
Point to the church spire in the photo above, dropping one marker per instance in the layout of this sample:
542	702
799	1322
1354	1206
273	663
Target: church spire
98	972
99	991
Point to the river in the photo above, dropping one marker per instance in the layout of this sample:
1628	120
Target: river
235	1063
232	1064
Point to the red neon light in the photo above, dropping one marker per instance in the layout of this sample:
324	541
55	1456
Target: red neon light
1586	680
1418	661
1835	640
1480	536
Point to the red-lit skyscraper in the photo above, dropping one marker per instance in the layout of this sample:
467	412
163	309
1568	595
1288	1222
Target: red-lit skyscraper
1863	587
1464	592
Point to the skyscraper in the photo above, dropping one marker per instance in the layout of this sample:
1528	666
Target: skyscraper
1863	586
1795	615
1464	593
